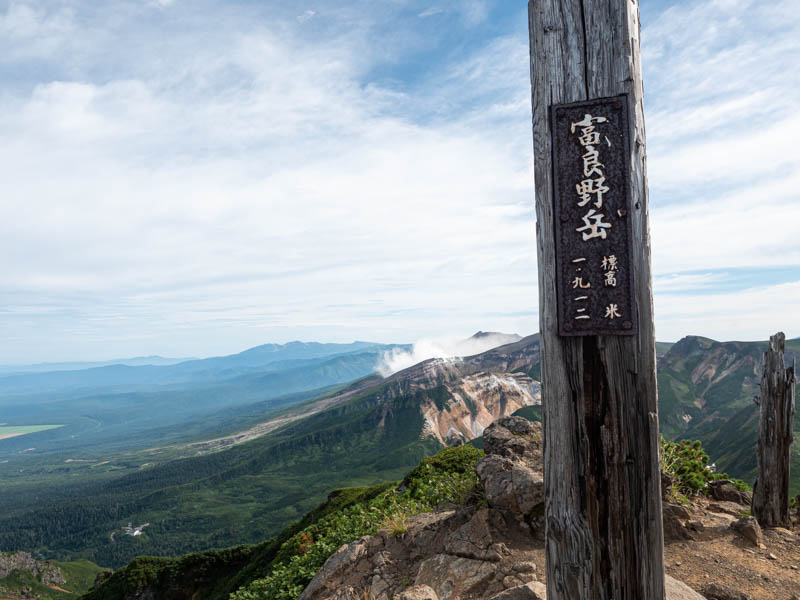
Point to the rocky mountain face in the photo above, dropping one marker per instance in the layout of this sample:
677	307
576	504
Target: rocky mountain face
378	425
494	549
248	486
476	401
460	397
46	572
705	392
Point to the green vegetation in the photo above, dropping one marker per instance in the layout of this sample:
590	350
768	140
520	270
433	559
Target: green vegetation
532	413
687	463
242	495
448	477
250	492
15	430
281	567
79	577
688	466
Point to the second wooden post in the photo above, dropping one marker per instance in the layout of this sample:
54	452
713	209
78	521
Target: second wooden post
771	493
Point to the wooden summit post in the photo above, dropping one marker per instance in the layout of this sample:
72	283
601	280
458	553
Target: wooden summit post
771	494
602	483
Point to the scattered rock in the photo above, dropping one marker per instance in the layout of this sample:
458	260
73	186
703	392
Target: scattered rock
530	591
726	507
749	528
695	525
341	560
525	567
515	438
475	539
726	491
453	576
717	591
418	592
679	510
509	581
674	526
677	590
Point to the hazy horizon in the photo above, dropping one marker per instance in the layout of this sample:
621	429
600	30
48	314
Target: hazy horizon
439	342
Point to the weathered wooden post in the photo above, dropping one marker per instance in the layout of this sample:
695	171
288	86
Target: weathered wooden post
771	494
603	515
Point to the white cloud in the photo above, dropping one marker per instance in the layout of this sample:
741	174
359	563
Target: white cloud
306	15
28	30
429	12
396	360
752	314
181	189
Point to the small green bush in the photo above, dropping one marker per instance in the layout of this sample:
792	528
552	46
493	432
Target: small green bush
740	485
687	464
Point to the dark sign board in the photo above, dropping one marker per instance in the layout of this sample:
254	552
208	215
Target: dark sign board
591	160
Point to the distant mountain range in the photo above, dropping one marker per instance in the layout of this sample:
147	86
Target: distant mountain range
367	432
45	367
136	373
245	461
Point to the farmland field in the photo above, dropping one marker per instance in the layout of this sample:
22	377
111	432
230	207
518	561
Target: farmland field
17	430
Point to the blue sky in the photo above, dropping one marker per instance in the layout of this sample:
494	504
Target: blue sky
196	177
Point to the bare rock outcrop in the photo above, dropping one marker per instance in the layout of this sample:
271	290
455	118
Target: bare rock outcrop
466	554
46	572
511	471
474	552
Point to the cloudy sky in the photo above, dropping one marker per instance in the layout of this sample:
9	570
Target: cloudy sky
193	177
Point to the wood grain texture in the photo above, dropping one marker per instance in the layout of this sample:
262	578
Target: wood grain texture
604	529
771	494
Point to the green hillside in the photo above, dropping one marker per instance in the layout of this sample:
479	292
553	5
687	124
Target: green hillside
79	577
364	434
706	390
249	492
281	567
244	494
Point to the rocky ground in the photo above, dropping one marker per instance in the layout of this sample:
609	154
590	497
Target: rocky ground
494	549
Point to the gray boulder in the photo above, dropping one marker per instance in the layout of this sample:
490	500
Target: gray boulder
717	591
511	471
749	528
418	592
533	590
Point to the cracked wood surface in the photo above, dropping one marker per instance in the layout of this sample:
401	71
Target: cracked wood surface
771	493
603	516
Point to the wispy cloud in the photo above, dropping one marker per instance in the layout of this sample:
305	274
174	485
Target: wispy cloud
249	181
397	359
306	15
429	12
